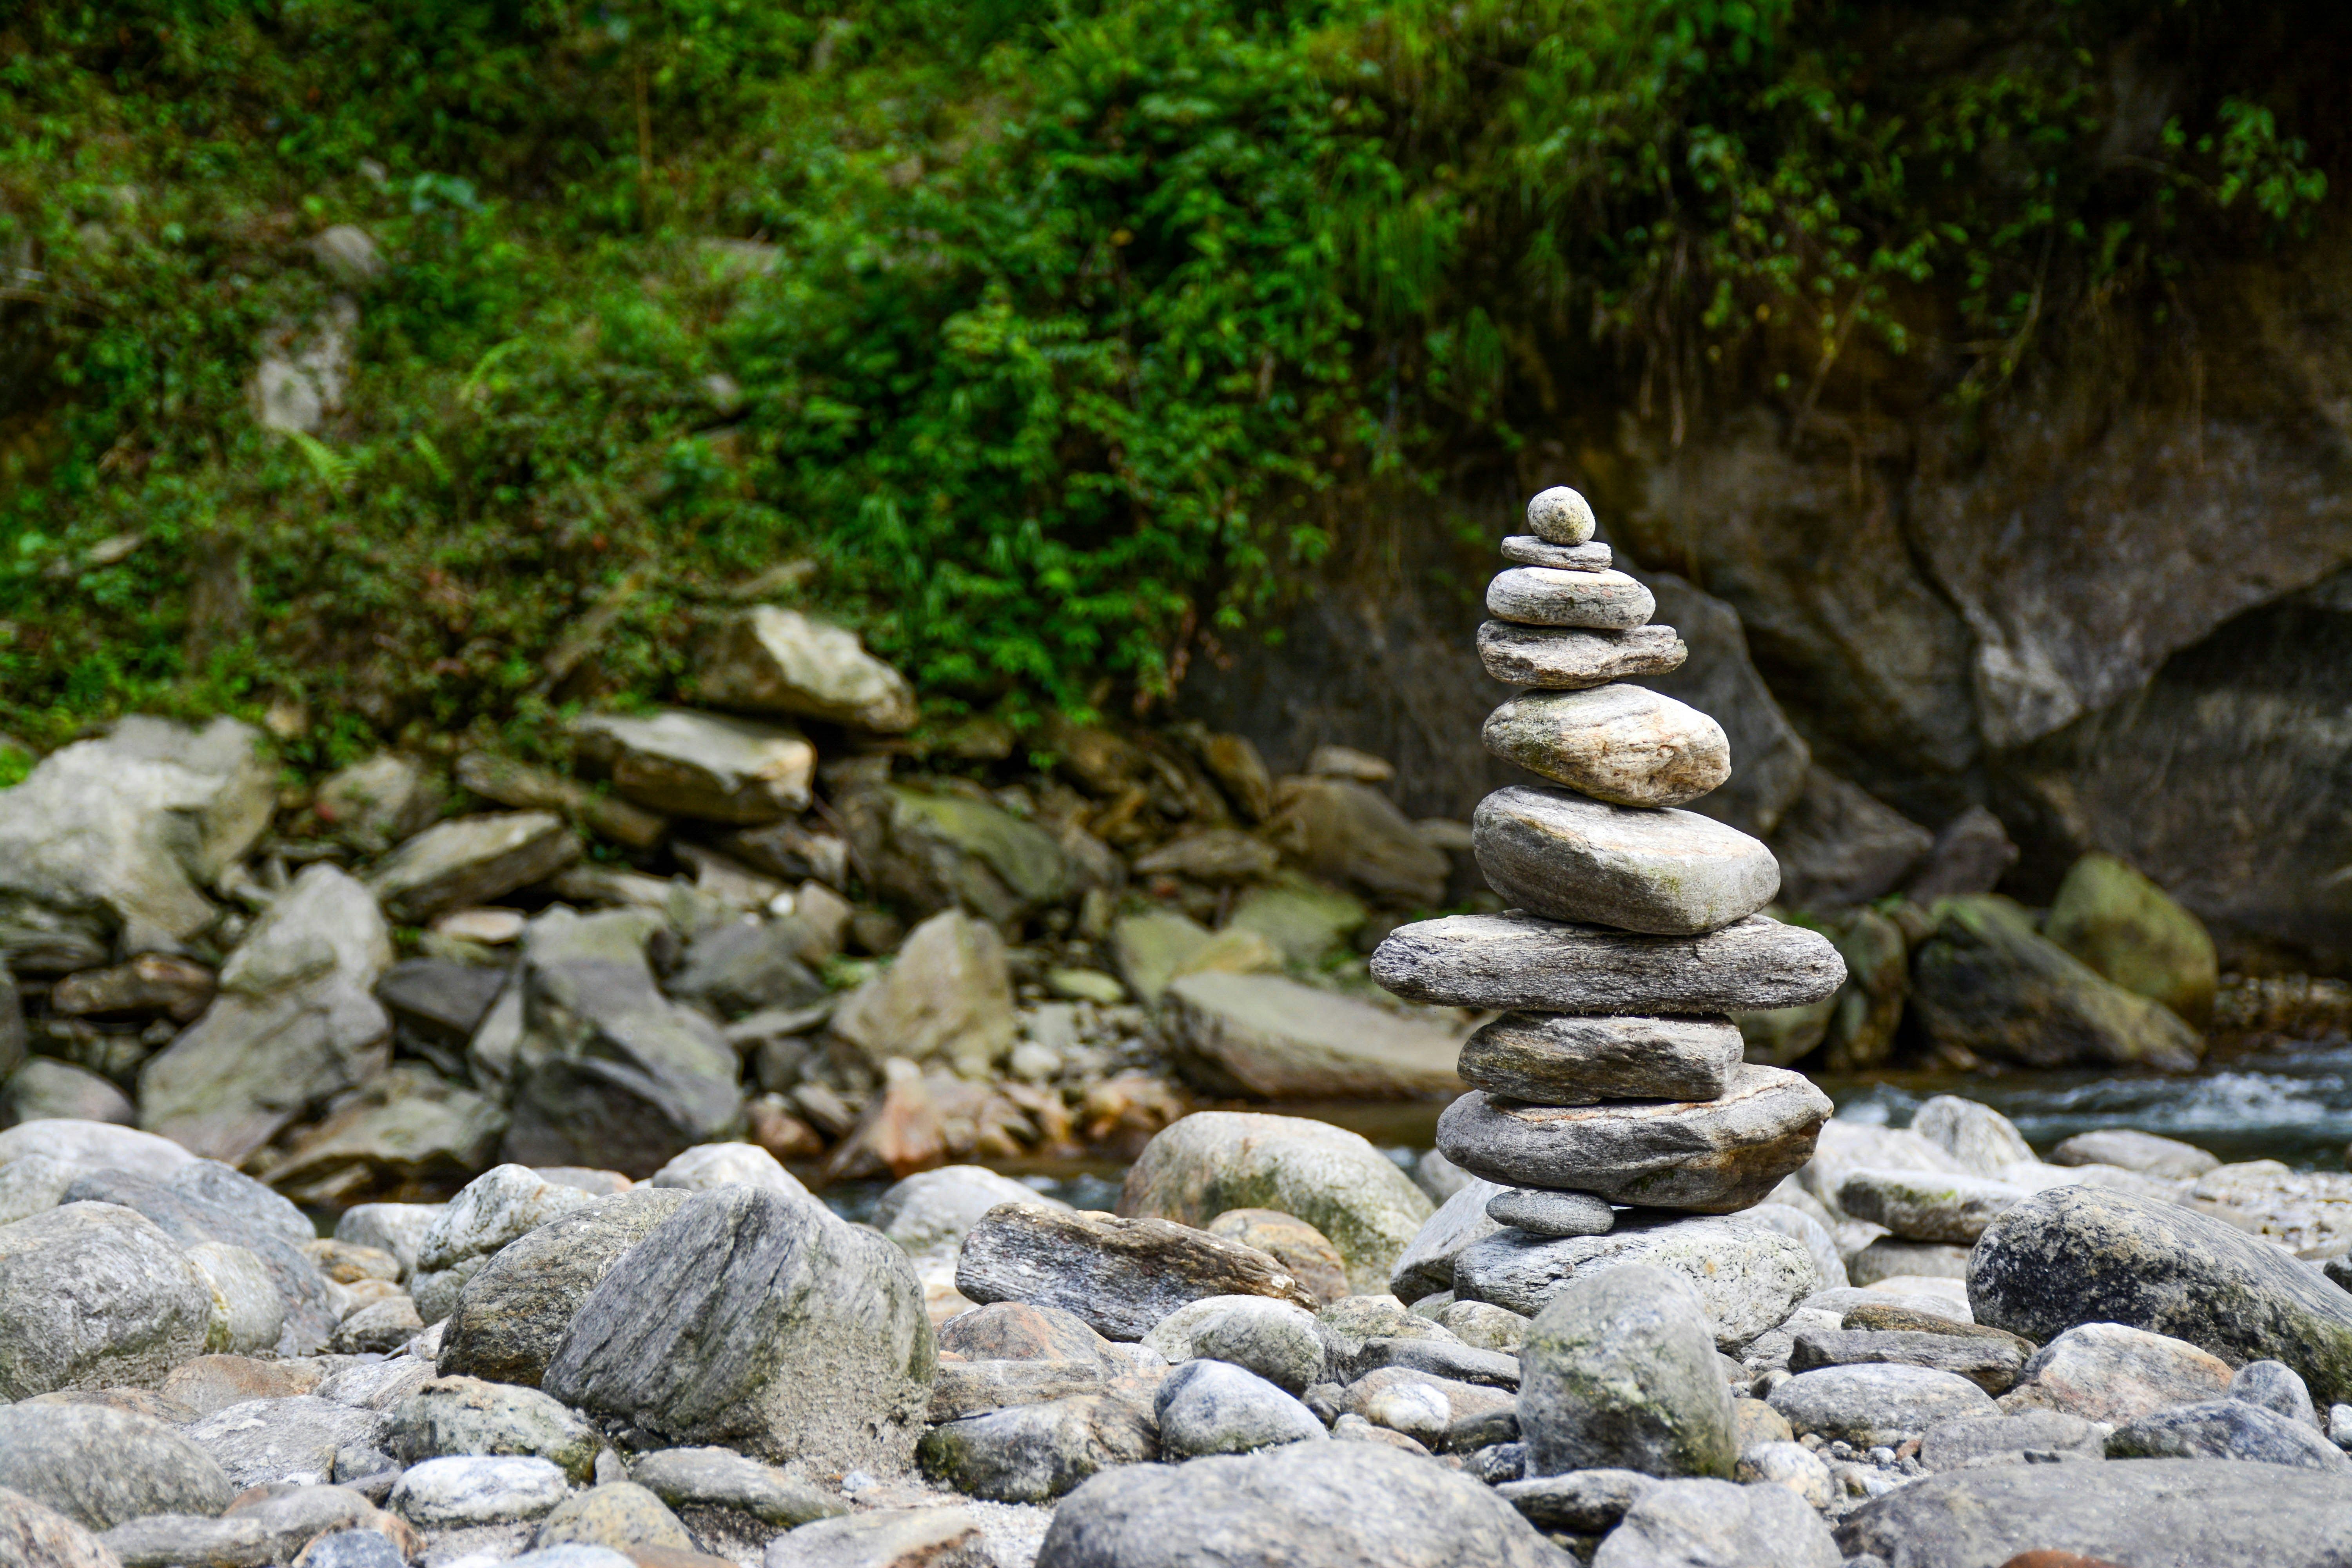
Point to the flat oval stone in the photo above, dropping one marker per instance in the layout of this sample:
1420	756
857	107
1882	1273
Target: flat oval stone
1546	596
1560	516
1552	1213
1515	962
1568	857
1569	658
1562	1059
1618	744
1527	550
1713	1156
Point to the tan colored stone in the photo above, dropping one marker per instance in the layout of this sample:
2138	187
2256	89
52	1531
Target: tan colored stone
1618	744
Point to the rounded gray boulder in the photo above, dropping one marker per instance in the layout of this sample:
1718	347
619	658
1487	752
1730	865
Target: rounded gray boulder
1619	1372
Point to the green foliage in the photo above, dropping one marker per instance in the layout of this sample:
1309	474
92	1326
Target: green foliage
1056	342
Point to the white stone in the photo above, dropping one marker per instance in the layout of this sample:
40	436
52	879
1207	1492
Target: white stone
1542	596
459	1490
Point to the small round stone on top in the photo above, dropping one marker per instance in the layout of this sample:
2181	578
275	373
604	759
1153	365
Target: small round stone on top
1559	516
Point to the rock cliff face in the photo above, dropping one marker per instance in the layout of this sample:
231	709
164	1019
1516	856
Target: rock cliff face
2112	602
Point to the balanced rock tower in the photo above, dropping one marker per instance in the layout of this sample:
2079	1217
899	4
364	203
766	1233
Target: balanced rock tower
1613	1081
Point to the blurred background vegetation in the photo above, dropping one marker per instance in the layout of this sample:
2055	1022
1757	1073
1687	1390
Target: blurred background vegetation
1047	345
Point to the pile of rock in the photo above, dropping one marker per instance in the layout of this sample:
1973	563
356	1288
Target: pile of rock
1615	1079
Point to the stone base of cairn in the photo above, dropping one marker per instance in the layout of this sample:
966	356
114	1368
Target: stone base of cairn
1613	1078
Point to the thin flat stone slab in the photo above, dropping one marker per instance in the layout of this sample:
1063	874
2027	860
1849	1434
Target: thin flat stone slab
1670	873
1527	550
1618	744
1552	1212
1545	596
1706	1156
1569	658
1514	962
1562	1059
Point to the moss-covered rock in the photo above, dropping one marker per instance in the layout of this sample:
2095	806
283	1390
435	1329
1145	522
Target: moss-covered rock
2127	928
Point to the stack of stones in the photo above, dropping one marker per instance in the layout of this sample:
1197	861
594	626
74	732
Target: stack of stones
1613	1079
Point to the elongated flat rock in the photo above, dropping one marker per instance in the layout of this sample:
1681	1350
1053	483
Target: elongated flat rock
1568	659
1517	962
1550	1212
1568	857
1546	596
1527	550
1562	1059
1706	1156
1617	743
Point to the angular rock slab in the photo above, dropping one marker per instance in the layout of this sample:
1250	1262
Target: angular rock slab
1706	1156
1923	1206
1527	550
1517	962
1568	659
1302	1505
1619	1372
2150	1513
1620	743
471	860
1266	1036
1541	597
1669	873
1749	1278
1121	1275
771	660
702	765
2087	1255
757	1320
1562	1059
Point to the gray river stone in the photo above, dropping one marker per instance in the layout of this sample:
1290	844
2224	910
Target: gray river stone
1560	1058
94	1296
1706	1156
1425	1268
1619	1372
1926	1206
2107	1372
1302	1505
1517	963
1749	1278
1543	596
1216	1407
2029	1437
1565	658
725	1481
299	1439
1991	1364
1031	1453
1707	1523
2274	1385
1558	515
99	1466
1121	1275
1670	873
1621	743
2227	1429
1876	1404
1276	1340
1552	1212
34	1536
1580	1503
2150	1513
1527	550
2088	1255
468	1416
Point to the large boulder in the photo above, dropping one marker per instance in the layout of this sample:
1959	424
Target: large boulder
1262	1037
1333	1179
773	660
471	860
296	1022
93	1295
115	838
947	995
514	1310
1620	1371
2124	926
1121	1275
1748	1278
99	1466
1986	982
1302	1505
2087	1255
757	1320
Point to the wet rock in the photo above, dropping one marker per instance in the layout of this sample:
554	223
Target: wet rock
1121	1275
1276	1340
2125	927
1619	1372
1986	982
1749	1278
1517	962
1713	1156
1549	1213
1561	659
618	1514
467	1416
2084	1255
1991	1364
2166	1159
1262	1036
99	1466
930	1537
297	1439
500	1205
1557	1060
773	660
1290	1241
725	1481
471	860
2151	1513
452	1493
1352	835
2274	1386
1620	745
296	1022
1568	857
33	1536
2107	1371
1215	1407
1714	1524
1923	1206
132	826
701	765
2227	1429
1837	846
1333	1179
1031	1453
947	995
213	1382
757	1320
2026	1436
1871	1405
95	1296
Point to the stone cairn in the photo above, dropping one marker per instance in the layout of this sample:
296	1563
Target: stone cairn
1613	1078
